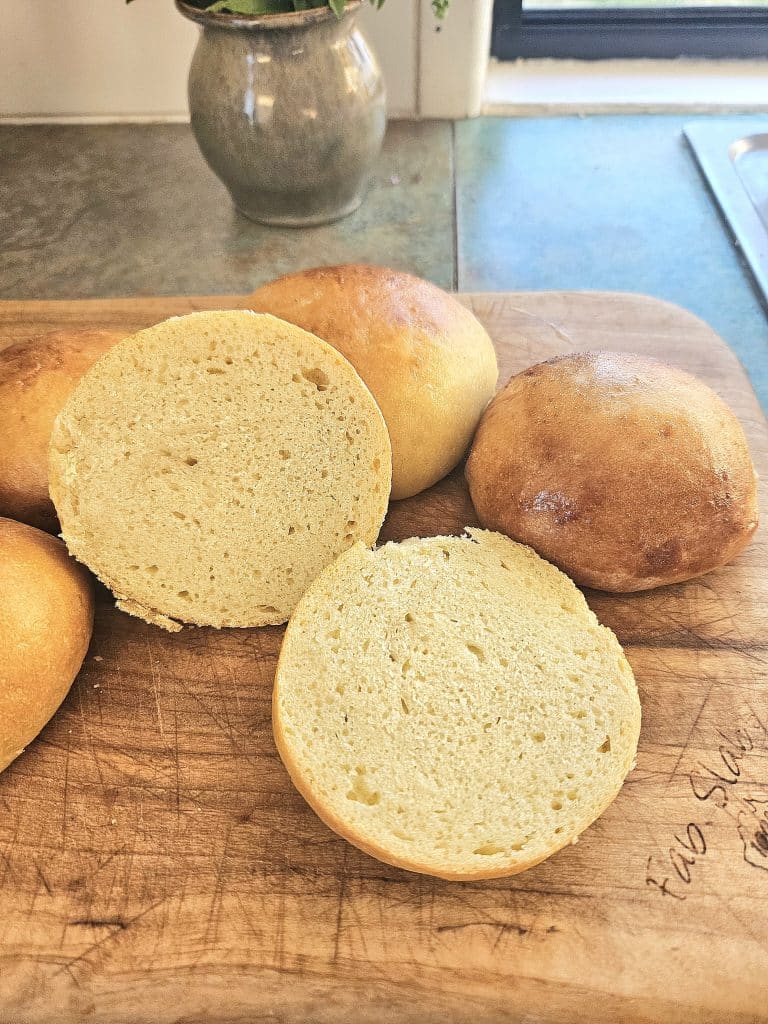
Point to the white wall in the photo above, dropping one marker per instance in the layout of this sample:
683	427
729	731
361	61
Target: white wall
103	59
107	59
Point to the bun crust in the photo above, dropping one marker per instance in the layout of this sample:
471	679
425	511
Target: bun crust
626	473
46	619
36	378
428	362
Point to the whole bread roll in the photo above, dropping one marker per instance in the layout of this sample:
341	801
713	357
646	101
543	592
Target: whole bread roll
452	706
626	473
46	618
427	361
36	378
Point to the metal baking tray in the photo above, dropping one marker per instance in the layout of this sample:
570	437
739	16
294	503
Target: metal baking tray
733	157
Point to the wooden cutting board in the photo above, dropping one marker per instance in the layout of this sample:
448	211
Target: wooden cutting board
156	864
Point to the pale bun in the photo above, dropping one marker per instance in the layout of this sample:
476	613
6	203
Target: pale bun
625	472
428	362
208	468
452	706
46	618
36	378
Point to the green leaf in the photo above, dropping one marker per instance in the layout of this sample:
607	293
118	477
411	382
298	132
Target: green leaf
250	6
337	6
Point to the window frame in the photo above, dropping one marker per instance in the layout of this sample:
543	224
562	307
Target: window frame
606	33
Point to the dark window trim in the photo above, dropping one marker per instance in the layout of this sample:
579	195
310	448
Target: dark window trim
596	34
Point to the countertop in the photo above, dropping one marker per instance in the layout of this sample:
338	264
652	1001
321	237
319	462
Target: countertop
603	202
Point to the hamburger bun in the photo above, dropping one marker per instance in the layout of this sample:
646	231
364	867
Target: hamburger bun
46	619
626	473
452	706
36	378
208	468
428	362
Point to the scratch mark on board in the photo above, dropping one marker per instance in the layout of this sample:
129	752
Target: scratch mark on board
155	689
340	906
114	934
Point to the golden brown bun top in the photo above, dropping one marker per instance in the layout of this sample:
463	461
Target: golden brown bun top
428	362
46	617
361	303
625	472
36	378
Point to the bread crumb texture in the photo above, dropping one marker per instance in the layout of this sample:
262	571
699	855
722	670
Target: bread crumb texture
208	468
452	706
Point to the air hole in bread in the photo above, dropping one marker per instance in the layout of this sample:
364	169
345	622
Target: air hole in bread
556	805
316	376
268	609
538	737
360	792
153	570
605	748
478	652
191	460
488	850
404	706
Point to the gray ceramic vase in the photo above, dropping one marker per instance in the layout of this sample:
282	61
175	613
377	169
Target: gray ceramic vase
288	110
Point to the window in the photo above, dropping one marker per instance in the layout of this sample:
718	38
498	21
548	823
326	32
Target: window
595	29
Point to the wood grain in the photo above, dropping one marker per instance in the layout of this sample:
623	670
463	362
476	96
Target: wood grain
156	864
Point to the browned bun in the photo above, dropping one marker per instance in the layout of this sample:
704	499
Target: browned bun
427	361
46	618
36	378
626	473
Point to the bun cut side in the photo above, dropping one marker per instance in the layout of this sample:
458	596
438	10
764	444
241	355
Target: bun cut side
452	706
208	468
